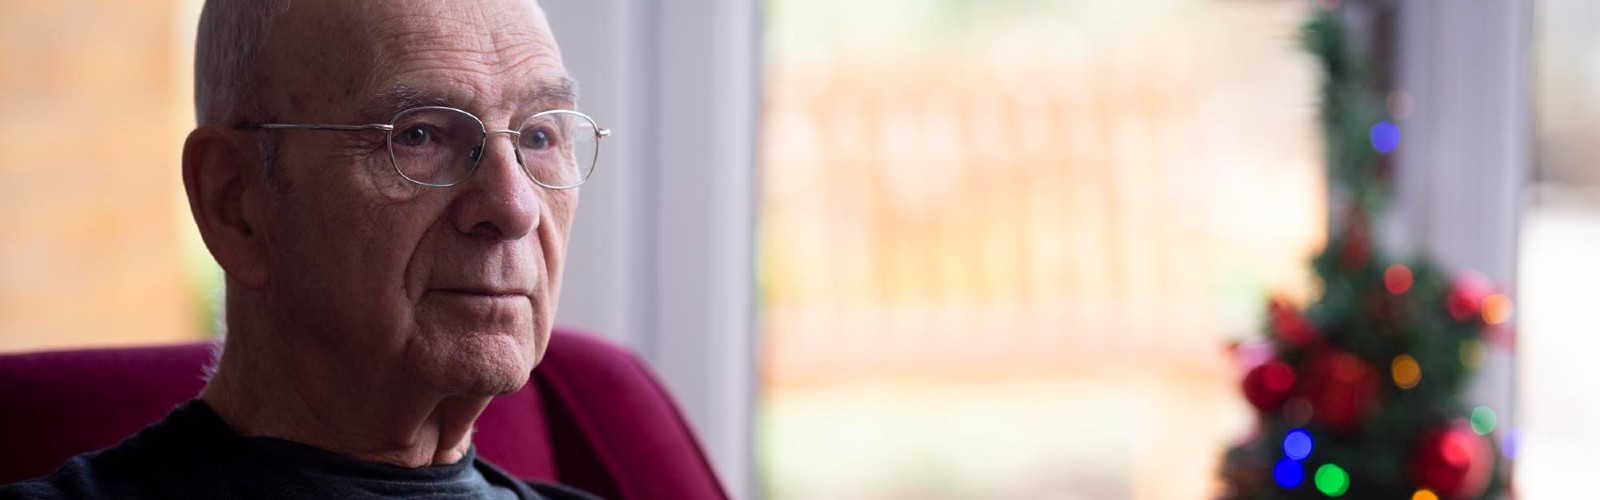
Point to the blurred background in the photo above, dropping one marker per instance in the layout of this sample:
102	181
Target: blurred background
1004	244
920	249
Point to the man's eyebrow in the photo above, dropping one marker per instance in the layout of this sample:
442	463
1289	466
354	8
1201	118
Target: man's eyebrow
400	97
562	92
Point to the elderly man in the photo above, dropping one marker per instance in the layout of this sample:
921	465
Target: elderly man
389	187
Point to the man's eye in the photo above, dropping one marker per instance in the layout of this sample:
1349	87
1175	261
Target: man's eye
536	139
416	136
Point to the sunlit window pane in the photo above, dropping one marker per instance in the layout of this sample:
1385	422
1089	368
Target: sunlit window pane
1560	236
1004	244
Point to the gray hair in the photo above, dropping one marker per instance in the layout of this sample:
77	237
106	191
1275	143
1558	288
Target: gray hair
228	78
229	46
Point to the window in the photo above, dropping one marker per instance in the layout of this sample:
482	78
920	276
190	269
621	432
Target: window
97	247
1004	245
1557	266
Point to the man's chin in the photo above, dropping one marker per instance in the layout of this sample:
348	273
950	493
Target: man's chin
480	365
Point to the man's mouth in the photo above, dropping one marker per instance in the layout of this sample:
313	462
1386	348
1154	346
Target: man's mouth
482	292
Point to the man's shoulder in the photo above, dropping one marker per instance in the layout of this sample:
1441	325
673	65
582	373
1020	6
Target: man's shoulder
137	467
84	476
66	482
192	454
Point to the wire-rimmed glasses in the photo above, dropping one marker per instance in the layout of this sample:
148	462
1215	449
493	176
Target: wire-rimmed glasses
440	146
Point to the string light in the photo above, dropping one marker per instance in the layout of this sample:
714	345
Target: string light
1332	480
1385	136
1496	309
1472	353
1407	373
1508	443
1483	420
1397	279
1297	444
1424	494
1289	474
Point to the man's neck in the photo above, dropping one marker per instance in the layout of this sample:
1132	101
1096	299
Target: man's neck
308	405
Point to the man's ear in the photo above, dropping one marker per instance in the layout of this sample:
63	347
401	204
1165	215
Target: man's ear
216	175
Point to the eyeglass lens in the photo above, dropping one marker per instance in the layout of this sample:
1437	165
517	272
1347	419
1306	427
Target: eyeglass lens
440	146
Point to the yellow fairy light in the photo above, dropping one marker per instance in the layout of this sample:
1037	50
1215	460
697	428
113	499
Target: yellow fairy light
1406	372
1496	309
1424	494
1472	353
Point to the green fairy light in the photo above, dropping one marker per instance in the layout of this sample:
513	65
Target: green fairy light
1332	480
1483	420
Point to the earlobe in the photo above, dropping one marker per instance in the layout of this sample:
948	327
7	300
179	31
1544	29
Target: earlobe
216	179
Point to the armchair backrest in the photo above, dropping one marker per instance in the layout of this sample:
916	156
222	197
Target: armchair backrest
593	416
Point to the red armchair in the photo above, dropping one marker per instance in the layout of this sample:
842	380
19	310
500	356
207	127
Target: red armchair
592	417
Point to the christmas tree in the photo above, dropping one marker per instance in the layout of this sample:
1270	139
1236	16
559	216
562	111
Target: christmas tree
1359	394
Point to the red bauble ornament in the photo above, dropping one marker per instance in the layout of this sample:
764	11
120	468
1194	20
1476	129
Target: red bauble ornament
1268	386
1341	387
1453	461
1465	301
1288	325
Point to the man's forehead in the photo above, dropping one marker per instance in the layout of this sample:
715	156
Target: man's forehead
403	53
509	15
389	23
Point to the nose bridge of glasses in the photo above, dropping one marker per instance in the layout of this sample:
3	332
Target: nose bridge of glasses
477	152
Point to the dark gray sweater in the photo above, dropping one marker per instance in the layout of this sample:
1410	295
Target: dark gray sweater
192	453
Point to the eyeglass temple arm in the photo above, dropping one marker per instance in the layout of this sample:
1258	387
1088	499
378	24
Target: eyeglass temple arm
316	126
602	132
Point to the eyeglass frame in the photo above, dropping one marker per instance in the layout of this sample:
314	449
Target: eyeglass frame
516	136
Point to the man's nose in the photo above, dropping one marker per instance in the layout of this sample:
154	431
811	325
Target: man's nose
499	201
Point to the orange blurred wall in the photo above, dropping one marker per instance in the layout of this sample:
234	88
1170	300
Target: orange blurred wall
94	106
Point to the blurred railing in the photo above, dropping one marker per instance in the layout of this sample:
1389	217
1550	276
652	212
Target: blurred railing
926	216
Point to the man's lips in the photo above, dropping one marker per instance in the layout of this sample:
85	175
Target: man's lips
482	292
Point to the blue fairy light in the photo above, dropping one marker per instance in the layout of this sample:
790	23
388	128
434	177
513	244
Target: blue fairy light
1289	474
1297	445
1385	136
1508	443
